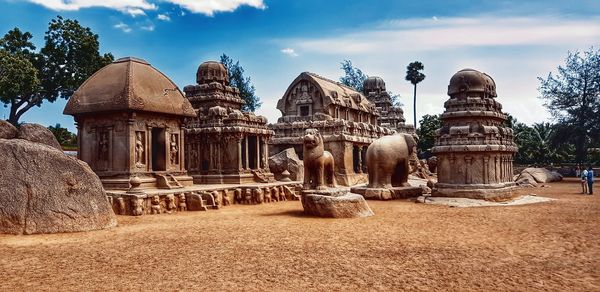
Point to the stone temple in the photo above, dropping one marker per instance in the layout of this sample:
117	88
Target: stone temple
474	147
130	119
390	116
346	119
223	144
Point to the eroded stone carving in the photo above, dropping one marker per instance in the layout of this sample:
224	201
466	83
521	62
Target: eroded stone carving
318	164
387	161
137	206
182	205
156	207
170	202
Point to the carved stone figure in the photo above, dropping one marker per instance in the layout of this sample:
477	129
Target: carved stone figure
225	199
137	206
387	161
156	208
274	194
282	196
238	196
121	206
174	149
182	204
139	150
318	163
247	197
257	196
170	202
267	195
103	147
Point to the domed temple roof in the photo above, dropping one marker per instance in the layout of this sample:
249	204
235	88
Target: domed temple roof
373	84
472	81
212	71
129	84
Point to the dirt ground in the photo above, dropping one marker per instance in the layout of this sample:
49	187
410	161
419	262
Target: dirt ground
405	246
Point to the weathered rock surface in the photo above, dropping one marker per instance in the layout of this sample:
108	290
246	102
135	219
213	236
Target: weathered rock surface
540	175
7	130
526	180
38	134
347	205
287	160
44	191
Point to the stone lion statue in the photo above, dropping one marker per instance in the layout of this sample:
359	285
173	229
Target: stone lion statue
388	160
318	163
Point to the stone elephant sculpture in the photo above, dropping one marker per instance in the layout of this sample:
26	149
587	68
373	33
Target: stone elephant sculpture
388	159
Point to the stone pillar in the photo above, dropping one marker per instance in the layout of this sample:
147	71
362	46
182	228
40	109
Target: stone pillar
360	161
239	145
257	152
246	151
149	148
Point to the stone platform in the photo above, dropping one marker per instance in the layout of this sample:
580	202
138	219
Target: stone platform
489	192
199	197
385	194
334	203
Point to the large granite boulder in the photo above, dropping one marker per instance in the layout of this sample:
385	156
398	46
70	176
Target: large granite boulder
7	130
335	205
541	175
42	190
526	180
38	134
287	160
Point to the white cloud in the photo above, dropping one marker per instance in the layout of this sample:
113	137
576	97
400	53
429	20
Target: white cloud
122	26
149	27
139	7
290	52
430	34
135	11
132	7
163	17
210	7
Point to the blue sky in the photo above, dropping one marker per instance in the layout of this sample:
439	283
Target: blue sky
275	40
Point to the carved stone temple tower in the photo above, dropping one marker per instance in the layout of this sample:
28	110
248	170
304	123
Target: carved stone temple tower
475	149
390	116
223	144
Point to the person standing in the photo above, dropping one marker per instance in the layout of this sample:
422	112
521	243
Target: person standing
584	185
590	180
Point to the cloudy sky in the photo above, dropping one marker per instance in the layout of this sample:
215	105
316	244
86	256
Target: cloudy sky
513	41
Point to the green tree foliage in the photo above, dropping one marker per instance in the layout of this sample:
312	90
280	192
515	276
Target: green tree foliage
244	84
414	75
69	56
64	137
353	76
537	143
572	95
426	131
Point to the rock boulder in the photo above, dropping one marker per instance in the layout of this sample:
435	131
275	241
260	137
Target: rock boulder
42	190
38	134
287	160
7	130
541	175
346	205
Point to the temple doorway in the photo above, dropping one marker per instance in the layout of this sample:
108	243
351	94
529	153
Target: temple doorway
159	151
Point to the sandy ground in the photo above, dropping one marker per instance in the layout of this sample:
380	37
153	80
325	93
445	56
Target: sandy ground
405	246
466	203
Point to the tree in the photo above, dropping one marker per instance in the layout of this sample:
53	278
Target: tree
244	84
414	75
353	76
64	136
572	95
426	131
69	56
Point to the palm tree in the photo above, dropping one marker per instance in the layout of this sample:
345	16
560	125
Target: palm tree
414	75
